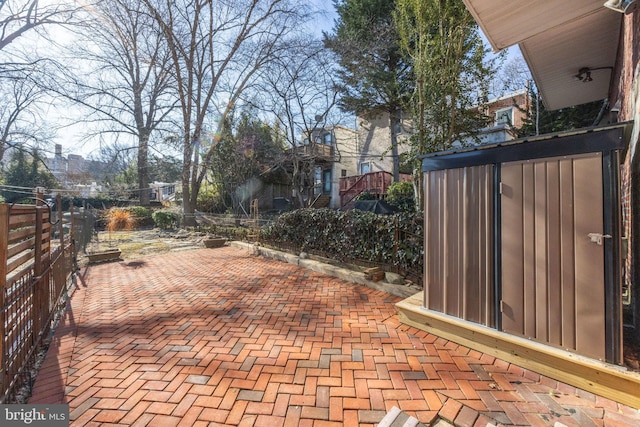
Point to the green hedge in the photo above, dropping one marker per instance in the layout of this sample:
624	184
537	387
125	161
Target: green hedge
354	235
166	219
142	214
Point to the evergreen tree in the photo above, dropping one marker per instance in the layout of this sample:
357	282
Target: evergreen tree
374	73
165	168
539	120
26	171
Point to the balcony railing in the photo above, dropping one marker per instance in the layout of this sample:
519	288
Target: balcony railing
375	183
316	150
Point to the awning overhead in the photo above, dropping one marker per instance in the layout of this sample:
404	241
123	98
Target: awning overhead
512	22
557	39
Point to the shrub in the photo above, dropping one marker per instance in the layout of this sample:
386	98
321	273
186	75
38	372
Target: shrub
120	219
365	195
142	215
351	236
401	196
166	219
139	212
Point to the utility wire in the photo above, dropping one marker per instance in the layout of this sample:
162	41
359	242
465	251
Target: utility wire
15	186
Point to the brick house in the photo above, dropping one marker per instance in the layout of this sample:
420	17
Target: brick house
322	158
508	112
374	160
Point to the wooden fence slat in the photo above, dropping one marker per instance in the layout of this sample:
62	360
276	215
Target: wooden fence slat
18	261
21	220
4	239
20	247
33	279
21	234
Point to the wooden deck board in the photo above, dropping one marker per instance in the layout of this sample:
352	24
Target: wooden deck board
614	382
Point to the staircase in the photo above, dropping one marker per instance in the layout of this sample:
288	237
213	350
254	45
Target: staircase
322	201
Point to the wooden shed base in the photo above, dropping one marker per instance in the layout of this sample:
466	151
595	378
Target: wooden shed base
610	381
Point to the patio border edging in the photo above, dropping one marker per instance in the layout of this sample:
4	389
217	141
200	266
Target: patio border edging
331	270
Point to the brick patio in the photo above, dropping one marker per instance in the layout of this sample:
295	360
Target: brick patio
222	337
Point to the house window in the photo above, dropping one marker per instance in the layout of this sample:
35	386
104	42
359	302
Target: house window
328	139
343	173
326	181
317	180
365	168
504	116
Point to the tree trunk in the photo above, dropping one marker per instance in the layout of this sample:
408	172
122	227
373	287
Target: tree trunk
143	171
195	182
394	121
188	207
418	175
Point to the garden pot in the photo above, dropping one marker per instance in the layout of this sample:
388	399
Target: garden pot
105	255
214	242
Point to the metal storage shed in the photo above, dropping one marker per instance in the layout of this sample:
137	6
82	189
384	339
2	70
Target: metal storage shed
523	249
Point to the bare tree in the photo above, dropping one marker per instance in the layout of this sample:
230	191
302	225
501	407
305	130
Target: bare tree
218	49
513	75
21	97
300	91
122	79
17	17
19	116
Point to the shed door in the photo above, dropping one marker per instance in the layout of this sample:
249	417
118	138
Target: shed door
552	273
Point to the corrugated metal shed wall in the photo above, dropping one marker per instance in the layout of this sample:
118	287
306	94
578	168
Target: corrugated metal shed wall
459	244
552	273
524	237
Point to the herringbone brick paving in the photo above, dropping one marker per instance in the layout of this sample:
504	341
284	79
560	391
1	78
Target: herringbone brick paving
221	337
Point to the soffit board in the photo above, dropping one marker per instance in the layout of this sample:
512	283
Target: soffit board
508	23
556	39
556	56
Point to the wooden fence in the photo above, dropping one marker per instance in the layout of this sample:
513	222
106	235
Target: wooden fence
35	271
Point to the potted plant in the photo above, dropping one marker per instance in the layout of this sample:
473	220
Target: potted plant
212	240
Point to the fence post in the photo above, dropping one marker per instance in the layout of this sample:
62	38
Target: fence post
72	234
60	225
37	255
38	285
4	243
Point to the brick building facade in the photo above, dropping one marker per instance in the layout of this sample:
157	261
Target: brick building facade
625	100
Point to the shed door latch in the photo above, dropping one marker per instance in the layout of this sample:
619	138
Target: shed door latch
597	237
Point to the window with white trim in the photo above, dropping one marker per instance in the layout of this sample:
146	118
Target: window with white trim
504	116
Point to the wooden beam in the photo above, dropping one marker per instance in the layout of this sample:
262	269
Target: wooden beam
610	381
